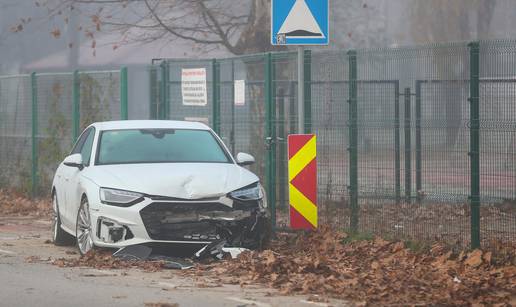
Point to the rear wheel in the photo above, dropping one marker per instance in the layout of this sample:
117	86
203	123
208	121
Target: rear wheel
83	229
59	236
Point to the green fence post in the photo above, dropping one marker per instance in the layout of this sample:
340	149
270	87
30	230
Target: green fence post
292	108
474	153
308	90
353	141
397	142
282	150
124	112
34	135
216	96
408	147
168	100
153	95
76	94
164	109
232	140
270	168
419	187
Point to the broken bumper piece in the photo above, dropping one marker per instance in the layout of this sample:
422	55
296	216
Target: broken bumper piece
142	252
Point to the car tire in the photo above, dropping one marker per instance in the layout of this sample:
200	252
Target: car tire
83	229
59	236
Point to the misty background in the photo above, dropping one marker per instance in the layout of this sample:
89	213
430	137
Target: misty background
35	38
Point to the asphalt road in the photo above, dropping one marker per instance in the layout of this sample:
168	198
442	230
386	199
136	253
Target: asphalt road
26	283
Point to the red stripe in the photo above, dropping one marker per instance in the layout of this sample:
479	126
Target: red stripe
297	221
306	181
296	142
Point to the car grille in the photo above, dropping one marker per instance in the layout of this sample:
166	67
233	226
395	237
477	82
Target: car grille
156	218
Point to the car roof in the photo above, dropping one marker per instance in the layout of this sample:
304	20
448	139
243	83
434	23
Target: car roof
149	124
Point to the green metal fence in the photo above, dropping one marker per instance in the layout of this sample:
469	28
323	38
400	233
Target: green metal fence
415	143
41	116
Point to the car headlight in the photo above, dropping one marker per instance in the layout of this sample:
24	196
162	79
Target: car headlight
250	192
119	198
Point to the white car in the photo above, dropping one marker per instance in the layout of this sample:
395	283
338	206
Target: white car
139	182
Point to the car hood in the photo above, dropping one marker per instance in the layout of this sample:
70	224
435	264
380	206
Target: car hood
178	180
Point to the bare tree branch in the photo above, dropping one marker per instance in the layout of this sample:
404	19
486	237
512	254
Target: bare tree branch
237	26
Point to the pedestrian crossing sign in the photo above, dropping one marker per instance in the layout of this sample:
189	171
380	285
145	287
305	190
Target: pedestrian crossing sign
299	22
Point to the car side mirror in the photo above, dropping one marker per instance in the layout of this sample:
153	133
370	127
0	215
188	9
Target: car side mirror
243	158
74	160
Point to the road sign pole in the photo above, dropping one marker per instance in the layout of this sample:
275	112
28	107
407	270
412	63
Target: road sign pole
300	90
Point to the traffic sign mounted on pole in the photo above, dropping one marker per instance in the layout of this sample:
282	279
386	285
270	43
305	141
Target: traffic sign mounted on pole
300	22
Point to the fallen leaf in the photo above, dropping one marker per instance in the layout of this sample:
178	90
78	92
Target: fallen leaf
474	258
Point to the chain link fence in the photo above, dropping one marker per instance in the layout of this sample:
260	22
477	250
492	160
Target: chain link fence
15	127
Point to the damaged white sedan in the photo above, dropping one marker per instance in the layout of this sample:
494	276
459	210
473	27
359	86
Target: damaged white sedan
145	182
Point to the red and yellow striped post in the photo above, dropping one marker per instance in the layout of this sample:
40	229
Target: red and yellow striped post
302	178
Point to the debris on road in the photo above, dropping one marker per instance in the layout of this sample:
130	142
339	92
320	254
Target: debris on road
133	253
219	250
142	252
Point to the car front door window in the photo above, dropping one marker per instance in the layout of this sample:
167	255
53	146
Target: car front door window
79	144
71	175
86	148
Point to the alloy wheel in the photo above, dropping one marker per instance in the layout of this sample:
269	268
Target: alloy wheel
84	236
54	218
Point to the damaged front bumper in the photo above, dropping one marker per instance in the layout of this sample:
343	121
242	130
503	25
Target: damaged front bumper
237	223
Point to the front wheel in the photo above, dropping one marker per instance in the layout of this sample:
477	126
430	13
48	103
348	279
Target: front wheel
59	236
83	229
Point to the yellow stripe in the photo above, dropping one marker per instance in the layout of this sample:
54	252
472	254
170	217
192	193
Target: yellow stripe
301	159
303	205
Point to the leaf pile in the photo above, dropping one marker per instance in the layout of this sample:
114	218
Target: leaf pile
15	204
103	259
440	221
372	272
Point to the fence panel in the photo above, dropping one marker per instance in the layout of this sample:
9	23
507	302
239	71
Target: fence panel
99	97
497	143
329	121
175	106
54	131
15	132
40	117
433	142
284	80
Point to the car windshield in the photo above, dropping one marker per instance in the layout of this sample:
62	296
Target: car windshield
159	146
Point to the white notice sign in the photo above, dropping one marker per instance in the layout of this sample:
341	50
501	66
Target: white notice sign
193	86
239	92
